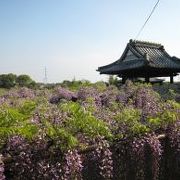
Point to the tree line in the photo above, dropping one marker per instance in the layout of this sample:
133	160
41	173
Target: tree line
11	80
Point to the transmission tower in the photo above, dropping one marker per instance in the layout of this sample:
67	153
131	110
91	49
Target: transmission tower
45	76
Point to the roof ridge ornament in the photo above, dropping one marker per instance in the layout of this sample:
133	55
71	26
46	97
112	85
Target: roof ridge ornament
146	56
139	42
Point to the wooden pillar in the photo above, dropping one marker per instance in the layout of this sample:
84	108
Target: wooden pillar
123	80
147	79
171	80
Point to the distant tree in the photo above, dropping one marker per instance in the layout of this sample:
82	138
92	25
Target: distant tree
25	80
66	83
113	80
33	84
7	80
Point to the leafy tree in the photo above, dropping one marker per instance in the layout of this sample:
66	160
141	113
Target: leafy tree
113	80
25	80
7	80
11	80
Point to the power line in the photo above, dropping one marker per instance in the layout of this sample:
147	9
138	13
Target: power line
147	19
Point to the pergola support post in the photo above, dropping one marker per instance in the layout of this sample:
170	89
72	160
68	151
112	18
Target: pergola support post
171	79
147	79
124	79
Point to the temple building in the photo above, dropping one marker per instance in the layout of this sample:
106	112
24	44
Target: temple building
142	59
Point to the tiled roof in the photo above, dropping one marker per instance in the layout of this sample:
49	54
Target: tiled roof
156	54
116	67
145	54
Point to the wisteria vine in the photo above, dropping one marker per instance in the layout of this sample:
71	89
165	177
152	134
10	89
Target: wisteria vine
94	132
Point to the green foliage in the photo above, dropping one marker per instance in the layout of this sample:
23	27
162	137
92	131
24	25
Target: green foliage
162	119
2	91
113	80
82	121
75	85
90	104
60	136
25	80
27	130
100	86
173	104
27	107
115	107
129	116
10	117
79	120
16	121
10	80
131	119
7	80
154	122
139	129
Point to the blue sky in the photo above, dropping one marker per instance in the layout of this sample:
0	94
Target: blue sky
73	37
